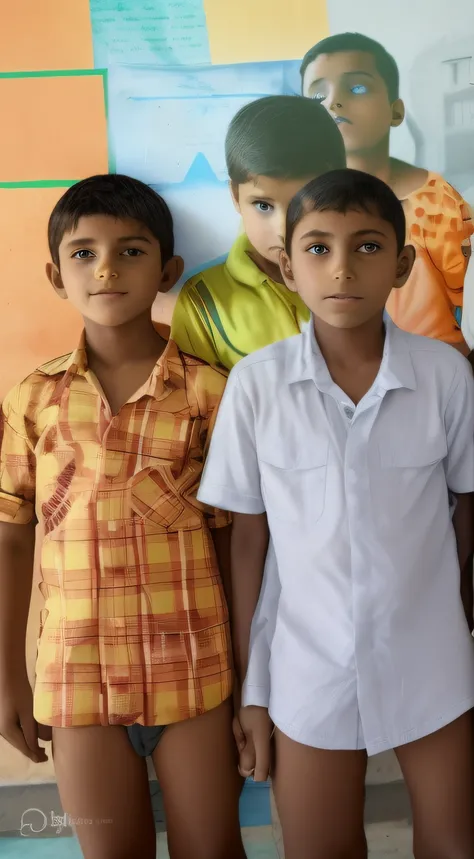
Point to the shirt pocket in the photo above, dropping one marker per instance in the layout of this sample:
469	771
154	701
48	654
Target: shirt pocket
294	482
158	502
413	454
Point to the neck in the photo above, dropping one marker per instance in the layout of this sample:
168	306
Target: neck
115	347
271	269
375	161
350	347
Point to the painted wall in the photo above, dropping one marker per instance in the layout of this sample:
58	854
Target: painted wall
147	87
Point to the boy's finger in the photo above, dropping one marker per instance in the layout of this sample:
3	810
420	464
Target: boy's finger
239	735
16	738
45	733
247	759
30	732
262	756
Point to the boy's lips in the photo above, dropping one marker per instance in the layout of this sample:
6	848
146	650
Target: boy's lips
340	120
343	297
109	292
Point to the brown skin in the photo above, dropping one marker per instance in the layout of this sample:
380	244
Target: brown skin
344	268
252	727
17	725
113	280
262	203
352	90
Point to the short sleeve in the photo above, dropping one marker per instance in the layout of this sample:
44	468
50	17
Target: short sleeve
459	423
231	478
446	248
188	329
17	462
467	321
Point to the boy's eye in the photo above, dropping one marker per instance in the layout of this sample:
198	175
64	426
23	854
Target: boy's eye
369	248
133	252
263	207
359	89
83	254
318	250
319	96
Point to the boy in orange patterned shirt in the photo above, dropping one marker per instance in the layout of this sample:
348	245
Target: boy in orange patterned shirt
104	448
358	82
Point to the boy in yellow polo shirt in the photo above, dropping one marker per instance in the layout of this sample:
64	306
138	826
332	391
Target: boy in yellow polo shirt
274	146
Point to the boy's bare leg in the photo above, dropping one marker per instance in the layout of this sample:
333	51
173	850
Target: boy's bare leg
320	799
101	779
196	765
439	772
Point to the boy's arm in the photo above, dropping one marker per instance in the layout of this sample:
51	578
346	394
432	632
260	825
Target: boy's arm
188	329
459	466
231	481
221	538
17	546
448	255
463	521
248	553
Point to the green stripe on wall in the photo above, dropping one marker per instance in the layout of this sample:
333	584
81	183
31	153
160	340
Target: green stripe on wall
41	183
55	73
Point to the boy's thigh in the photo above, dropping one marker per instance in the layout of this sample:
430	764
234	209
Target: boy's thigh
320	800
439	773
196	765
103	785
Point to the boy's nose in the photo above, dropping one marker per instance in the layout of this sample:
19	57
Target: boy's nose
105	272
342	270
343	274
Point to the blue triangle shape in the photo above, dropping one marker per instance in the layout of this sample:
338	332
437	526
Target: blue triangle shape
201	171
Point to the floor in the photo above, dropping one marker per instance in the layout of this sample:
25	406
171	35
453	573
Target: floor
387	841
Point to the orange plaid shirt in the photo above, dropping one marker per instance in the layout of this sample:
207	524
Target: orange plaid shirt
135	626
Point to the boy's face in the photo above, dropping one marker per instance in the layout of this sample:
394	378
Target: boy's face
263	202
345	266
352	90
110	269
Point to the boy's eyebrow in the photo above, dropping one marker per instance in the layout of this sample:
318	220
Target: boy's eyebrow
262	196
320	234
359	72
74	243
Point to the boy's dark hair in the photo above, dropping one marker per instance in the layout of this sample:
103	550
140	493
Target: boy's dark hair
342	42
282	136
115	195
347	191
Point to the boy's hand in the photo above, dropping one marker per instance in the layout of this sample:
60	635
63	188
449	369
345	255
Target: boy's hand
252	732
17	724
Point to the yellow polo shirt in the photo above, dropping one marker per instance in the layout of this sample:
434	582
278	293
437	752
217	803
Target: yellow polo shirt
228	311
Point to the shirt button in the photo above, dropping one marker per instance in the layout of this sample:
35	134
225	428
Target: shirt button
349	413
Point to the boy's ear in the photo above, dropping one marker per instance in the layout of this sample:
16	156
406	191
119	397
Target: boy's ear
398	113
286	271
234	193
54	276
404	266
171	273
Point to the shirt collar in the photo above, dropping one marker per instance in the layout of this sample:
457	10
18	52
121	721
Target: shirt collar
241	267
396	369
157	386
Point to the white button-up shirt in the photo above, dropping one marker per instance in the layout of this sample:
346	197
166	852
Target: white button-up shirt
359	639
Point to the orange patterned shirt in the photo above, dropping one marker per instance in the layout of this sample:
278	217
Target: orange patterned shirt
438	225
135	625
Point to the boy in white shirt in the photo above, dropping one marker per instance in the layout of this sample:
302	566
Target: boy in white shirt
349	446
